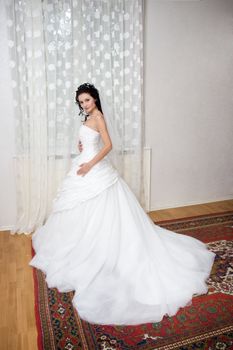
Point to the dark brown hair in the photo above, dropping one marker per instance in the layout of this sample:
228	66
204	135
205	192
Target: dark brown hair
91	90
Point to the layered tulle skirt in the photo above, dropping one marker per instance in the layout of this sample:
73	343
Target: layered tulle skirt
123	268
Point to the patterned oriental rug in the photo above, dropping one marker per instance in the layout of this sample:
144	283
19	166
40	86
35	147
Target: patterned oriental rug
206	324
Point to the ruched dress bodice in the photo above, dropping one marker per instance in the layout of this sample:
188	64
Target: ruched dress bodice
90	139
76	188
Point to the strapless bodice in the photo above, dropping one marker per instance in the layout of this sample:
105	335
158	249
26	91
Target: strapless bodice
90	139
76	188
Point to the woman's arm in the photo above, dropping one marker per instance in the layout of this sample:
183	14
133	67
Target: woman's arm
102	129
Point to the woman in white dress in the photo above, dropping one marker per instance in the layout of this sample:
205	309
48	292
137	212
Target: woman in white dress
100	243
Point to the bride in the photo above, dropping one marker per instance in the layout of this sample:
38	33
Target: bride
100	243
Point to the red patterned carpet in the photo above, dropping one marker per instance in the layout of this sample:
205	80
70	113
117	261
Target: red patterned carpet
206	324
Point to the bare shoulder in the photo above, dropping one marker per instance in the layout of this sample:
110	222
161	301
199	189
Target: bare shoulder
98	115
99	118
100	122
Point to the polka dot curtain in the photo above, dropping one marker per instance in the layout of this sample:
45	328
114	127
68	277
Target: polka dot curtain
54	47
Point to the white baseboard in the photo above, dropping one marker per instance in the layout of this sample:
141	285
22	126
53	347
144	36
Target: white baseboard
178	205
6	228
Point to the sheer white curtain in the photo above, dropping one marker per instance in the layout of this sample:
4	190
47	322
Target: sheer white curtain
54	47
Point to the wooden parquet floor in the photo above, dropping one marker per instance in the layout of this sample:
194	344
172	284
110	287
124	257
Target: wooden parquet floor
17	320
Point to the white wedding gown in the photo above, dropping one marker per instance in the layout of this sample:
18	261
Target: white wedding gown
99	242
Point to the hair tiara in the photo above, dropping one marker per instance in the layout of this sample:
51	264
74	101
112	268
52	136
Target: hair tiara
86	86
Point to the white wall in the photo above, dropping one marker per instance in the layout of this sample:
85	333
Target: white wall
7	179
189	100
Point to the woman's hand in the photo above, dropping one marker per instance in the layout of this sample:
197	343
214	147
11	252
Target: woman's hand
80	146
84	168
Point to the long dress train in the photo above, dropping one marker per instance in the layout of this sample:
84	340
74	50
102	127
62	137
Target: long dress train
99	242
